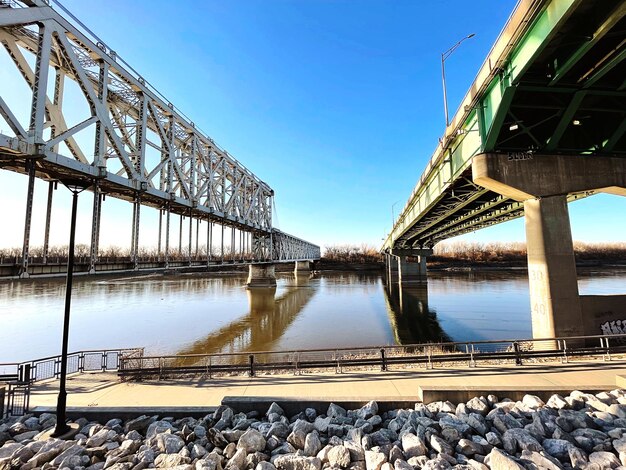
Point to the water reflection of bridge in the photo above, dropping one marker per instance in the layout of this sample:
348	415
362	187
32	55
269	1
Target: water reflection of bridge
410	318
265	323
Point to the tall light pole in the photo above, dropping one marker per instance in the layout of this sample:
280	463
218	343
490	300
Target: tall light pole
444	56
62	429
393	217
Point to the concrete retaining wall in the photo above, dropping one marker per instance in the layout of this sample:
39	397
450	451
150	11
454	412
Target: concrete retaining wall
604	314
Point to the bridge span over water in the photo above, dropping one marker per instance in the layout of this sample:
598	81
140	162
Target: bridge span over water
118	136
544	123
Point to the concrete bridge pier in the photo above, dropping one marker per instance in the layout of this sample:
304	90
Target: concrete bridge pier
391	268
410	265
553	283
302	267
542	183
261	275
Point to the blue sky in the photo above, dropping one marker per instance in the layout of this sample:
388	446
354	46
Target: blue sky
336	104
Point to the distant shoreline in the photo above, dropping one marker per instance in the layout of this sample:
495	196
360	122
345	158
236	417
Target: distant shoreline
455	265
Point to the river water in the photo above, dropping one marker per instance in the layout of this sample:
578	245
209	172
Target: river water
200	314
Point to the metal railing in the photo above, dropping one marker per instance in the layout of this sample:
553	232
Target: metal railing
18	376
80	361
429	355
14	399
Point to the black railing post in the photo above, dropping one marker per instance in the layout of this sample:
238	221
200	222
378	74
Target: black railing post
518	357
251	359
383	364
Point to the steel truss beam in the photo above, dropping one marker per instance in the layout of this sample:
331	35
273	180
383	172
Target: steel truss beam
287	247
132	144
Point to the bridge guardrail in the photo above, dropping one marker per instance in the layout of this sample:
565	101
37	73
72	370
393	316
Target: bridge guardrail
428	355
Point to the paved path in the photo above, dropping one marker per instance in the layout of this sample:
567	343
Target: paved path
104	389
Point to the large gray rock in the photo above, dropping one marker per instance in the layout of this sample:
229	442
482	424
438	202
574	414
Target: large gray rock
139	424
477	422
454	422
312	444
532	401
297	439
368	410
558	448
169	443
557	402
476	405
275	408
295	462
251	441
357	453
440	445
321	424
49	451
413	446
157	427
501	461
278	429
374	460
339	456
523	440
542	461
401	465
604	459
237	461
99	438
170	460
469	447
265	466
335	411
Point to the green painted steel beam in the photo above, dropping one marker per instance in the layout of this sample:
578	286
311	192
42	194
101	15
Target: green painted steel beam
614	17
606	68
498	119
566	120
544	28
617	135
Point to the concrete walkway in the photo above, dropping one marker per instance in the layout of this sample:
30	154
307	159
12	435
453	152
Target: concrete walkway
105	390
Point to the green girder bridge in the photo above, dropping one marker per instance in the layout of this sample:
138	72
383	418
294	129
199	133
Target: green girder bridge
553	83
543	123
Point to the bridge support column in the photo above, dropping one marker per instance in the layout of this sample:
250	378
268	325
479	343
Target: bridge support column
408	270
27	219
391	268
302	267
95	229
261	275
555	303
46	236
543	182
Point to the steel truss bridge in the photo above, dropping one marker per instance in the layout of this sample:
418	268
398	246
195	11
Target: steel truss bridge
554	83
130	143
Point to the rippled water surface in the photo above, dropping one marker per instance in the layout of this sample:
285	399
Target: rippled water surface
200	314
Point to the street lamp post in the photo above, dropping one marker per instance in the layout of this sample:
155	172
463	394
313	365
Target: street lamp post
61	427
444	56
393	216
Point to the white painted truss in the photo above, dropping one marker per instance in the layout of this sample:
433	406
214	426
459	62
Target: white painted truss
142	143
288	248
130	143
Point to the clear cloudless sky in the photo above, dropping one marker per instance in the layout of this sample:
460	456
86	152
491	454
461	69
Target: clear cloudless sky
336	104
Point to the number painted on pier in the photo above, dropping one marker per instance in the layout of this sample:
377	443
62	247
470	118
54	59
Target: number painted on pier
517	156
